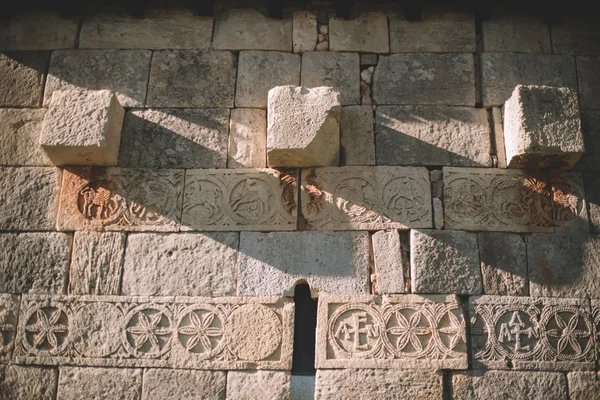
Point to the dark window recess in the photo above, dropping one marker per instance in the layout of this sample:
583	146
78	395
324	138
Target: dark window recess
305	325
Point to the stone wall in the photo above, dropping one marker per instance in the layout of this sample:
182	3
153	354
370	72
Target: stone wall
440	273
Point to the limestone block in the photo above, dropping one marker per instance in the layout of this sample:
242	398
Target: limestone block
248	29
356	135
304	31
498	134
171	138
569	208
502	72
517	385
165	384
37	30
366	198
387	254
266	385
437	255
564	265
497	200
303	126
96	263
240	200
589	82
95	383
531	333
583	385
367	33
34	262
303	387
365	94
247	138
22	78
503	258
368	60
381	384
515	32
124	72
26	382
261	71
592	193
426	79
180	264
20	137
120	199
192	79
394	332
82	127
576	34
271	264
590	126
338	70
9	311
432	135
155	332
542	128
28	198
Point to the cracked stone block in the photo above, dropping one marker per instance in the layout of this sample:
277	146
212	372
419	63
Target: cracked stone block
590	127
542	128
247	138
303	387
502	72
578	35
356	135
592	193
425	79
389	271
27	382
507	31
427	135
93	383
192	79
124	72
22	78
248	29
569	208
82	127
20	137
37	30
9	311
341	71
261	71
173	138
165	384
266	385
583	385
28	198
367	33
589	82
304	31
437	255
503	260
271	264
175	268
392	332
303	127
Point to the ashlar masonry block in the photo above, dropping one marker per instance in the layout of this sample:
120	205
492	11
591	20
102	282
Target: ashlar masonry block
367	33
83	127
28	382
96	383
542	128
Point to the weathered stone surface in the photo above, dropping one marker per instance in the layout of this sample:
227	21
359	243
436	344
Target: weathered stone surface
82	127
267	385
395	332
124	72
248	29
366	33
9	311
247	138
427	79
164	384
576	35
22	78
592	194
182	264
589	82
583	385
120	199
367	198
590	126
503	258
438	255
365	94
382	384
338	70
261	71
34	262
96	263
498	134
304	31
569	208
303	387
21	382
356	135
517	385
425	135
191	78
542	128
28	198
271	264
20	137
240	200
497	200
171	138
389	271
502	72
167	332
303	128
95	383
37	30
438	213
159	29
531	333
515	32
564	265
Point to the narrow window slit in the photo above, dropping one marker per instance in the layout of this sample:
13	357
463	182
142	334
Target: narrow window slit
305	324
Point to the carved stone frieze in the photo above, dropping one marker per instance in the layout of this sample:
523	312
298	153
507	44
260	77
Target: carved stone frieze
569	209
9	305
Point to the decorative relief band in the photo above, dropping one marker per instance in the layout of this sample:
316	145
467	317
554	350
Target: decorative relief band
9	305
